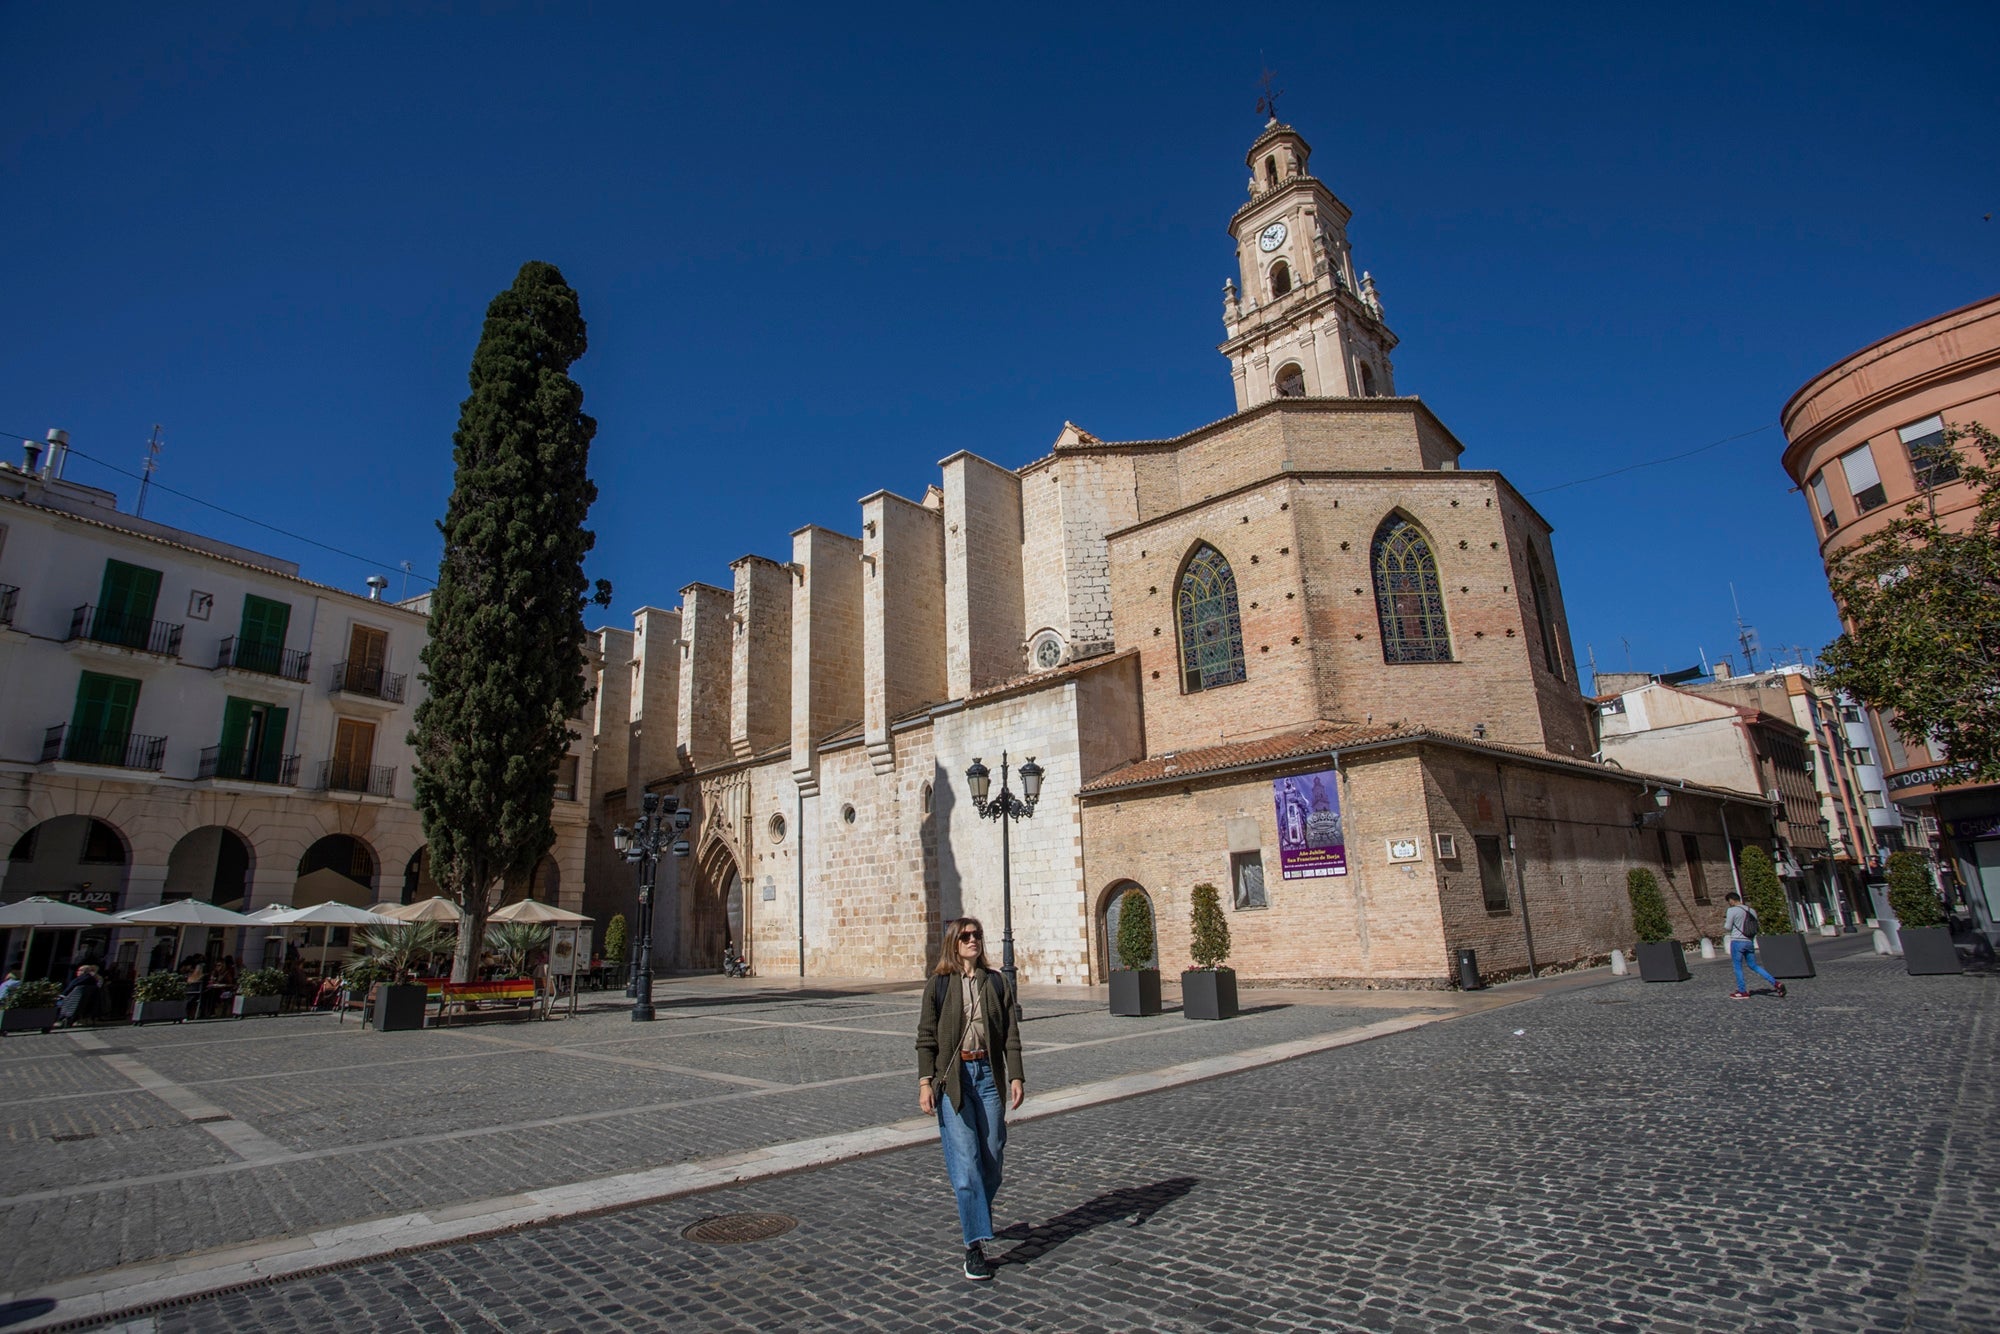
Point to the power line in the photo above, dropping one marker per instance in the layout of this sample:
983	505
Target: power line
219	509
1654	463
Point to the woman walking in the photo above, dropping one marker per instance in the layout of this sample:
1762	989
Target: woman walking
968	1025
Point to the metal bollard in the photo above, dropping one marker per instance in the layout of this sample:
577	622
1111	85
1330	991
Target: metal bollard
1468	971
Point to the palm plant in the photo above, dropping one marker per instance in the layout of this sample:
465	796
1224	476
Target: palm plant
397	950
514	942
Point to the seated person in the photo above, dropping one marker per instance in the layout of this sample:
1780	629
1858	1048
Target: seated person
328	994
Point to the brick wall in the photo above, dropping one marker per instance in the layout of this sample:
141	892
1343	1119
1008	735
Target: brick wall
760	712
902	599
706	635
827	675
985	616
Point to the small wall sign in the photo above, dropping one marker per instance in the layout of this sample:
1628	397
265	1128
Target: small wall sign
1405	850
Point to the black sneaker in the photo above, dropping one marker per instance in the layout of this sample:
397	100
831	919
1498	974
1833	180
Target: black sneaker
976	1264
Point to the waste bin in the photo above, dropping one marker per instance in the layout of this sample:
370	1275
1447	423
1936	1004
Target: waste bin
1468	971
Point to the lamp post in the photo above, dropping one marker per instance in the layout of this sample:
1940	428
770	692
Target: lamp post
661	817
1006	808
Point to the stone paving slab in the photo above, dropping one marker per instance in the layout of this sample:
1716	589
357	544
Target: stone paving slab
346	1124
1629	1157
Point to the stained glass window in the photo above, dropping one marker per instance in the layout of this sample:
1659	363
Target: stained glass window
1210	625
1409	602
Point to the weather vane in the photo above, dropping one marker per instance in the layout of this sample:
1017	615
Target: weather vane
1267	105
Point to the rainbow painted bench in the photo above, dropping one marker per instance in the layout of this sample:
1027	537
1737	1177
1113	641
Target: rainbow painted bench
513	992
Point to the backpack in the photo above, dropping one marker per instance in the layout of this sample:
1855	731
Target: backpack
1749	927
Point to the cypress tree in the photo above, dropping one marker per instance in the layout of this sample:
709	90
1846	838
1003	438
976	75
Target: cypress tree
504	666
1208	929
1135	929
1764	894
1650	921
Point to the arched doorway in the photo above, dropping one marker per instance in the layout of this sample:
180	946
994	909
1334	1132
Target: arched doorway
212	863
717	912
337	869
73	859
1109	909
418	883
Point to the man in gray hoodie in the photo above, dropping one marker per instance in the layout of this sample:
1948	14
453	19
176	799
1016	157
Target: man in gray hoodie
1740	927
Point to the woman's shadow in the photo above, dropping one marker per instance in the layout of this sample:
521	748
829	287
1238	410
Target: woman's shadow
1133	1203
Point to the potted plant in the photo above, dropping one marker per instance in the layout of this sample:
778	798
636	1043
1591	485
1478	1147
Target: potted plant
1927	947
1208	990
399	1005
1780	947
31	1006
514	943
159	996
1660	957
615	935
1135	988
259	991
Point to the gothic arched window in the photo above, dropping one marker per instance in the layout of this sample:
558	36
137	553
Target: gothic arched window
1409	601
1538	584
1291	381
1367	380
1281	278
1211	627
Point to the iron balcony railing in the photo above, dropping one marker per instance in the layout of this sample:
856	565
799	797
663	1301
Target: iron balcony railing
374	682
104	626
7	595
268	659
280	770
376	780
118	750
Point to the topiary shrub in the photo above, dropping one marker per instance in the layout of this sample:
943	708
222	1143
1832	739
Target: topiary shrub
1208	928
1649	908
37	995
261	982
160	986
1135	930
1764	894
1910	893
614	939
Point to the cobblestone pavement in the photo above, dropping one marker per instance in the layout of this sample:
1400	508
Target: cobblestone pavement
1627	1157
123	1145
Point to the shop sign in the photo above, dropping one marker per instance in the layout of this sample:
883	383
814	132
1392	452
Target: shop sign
97	900
1936	773
1979	826
1310	842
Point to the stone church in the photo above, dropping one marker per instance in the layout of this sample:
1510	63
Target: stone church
1301	654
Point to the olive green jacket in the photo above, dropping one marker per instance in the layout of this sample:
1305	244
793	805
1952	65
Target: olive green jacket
1002	1034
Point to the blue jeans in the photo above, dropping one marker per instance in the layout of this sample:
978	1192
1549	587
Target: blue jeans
974	1138
1743	953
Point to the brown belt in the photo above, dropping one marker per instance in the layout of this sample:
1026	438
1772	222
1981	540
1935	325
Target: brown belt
979	1055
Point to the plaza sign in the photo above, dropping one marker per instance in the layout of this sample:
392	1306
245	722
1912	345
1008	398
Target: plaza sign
1934	774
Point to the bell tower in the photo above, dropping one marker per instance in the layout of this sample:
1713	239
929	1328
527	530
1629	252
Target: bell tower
1306	321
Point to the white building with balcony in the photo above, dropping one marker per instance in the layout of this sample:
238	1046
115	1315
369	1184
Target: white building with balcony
180	717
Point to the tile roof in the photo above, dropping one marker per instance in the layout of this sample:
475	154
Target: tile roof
1054	675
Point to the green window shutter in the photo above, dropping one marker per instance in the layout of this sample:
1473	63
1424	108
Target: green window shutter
261	640
102	722
273	758
125	604
230	760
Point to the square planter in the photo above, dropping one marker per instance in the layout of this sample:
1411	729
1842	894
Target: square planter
41	1019
159	1012
245	1006
1662	961
400	1008
1208	993
1785	956
1135	992
1927	950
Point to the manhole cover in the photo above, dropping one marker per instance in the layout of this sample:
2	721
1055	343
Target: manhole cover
735	1229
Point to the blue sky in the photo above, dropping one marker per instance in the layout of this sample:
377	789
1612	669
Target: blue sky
821	249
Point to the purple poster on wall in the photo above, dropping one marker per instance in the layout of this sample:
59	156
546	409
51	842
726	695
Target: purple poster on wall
1309	839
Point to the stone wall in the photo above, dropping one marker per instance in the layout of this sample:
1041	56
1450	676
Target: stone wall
827	644
707	633
903	616
760	707
655	700
985	616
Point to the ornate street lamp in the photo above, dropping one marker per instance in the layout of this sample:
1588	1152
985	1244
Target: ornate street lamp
661	817
1006	808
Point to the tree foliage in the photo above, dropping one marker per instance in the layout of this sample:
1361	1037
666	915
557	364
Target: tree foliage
514	942
1921	598
1911	896
405	946
1649	907
1764	894
1135	930
1208	928
504	667
615	934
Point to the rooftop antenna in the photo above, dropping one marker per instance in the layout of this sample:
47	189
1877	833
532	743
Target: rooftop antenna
1746	635
1706	670
406	582
146	478
1590	651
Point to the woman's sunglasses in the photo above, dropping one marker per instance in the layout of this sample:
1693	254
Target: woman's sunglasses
971	935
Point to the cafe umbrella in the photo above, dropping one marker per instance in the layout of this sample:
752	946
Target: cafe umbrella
182	914
43	913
